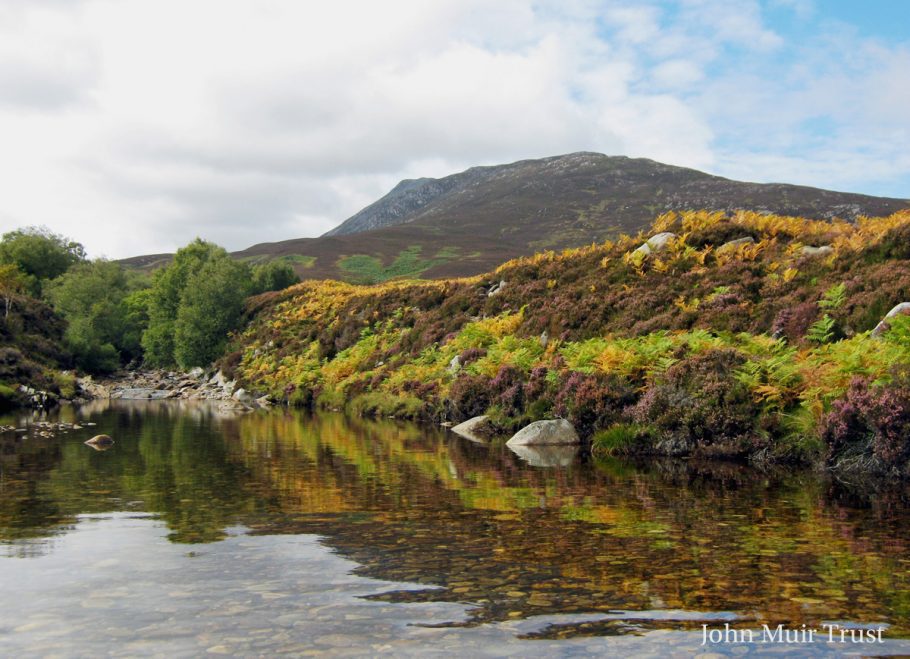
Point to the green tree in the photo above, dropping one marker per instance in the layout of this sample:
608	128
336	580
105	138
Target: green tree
91	296
164	300
210	307
273	276
136	311
193	304
40	254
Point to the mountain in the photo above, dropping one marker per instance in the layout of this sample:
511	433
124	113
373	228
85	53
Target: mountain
469	222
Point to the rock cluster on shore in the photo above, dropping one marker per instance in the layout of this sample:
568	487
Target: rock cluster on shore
43	429
196	384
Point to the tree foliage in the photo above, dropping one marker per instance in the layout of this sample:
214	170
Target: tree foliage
210	307
91	296
193	304
40	254
12	284
273	276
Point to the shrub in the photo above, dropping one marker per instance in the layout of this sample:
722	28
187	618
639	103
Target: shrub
895	244
507	390
869	427
792	323
471	355
592	401
720	233
469	396
698	406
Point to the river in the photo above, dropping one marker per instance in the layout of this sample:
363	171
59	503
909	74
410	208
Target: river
281	532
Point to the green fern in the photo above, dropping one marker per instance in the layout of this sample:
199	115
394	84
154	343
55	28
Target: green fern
834	297
822	331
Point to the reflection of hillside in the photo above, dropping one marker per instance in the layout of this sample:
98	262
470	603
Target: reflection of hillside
578	539
413	504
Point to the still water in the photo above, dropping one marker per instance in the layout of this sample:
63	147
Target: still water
278	532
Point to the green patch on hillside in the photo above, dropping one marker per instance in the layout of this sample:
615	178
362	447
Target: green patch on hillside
366	269
299	260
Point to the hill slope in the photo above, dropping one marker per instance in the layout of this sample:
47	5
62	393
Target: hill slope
470	222
586	193
737	338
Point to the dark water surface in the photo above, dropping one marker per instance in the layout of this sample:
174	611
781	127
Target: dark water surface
279	532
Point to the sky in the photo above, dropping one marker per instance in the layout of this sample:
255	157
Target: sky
134	126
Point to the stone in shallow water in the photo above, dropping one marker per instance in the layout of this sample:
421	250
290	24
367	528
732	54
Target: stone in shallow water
471	428
554	432
100	442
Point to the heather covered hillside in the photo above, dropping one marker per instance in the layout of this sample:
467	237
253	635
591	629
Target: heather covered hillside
743	335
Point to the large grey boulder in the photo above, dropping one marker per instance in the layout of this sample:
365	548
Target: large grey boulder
472	429
655	243
545	433
902	309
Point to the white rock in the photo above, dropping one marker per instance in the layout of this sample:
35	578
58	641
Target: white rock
824	250
469	429
547	433
902	309
656	243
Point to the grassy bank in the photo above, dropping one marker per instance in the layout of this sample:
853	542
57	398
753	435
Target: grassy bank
761	349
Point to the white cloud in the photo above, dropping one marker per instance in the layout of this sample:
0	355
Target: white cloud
136	125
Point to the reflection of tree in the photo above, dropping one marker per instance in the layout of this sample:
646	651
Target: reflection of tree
26	514
170	460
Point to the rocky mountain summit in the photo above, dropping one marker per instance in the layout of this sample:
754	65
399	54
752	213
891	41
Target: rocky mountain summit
595	191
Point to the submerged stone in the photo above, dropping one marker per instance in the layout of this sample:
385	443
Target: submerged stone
100	442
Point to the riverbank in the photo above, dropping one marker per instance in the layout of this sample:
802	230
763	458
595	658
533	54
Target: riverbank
196	384
753	337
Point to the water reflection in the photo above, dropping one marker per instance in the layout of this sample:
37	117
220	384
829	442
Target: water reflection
513	537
